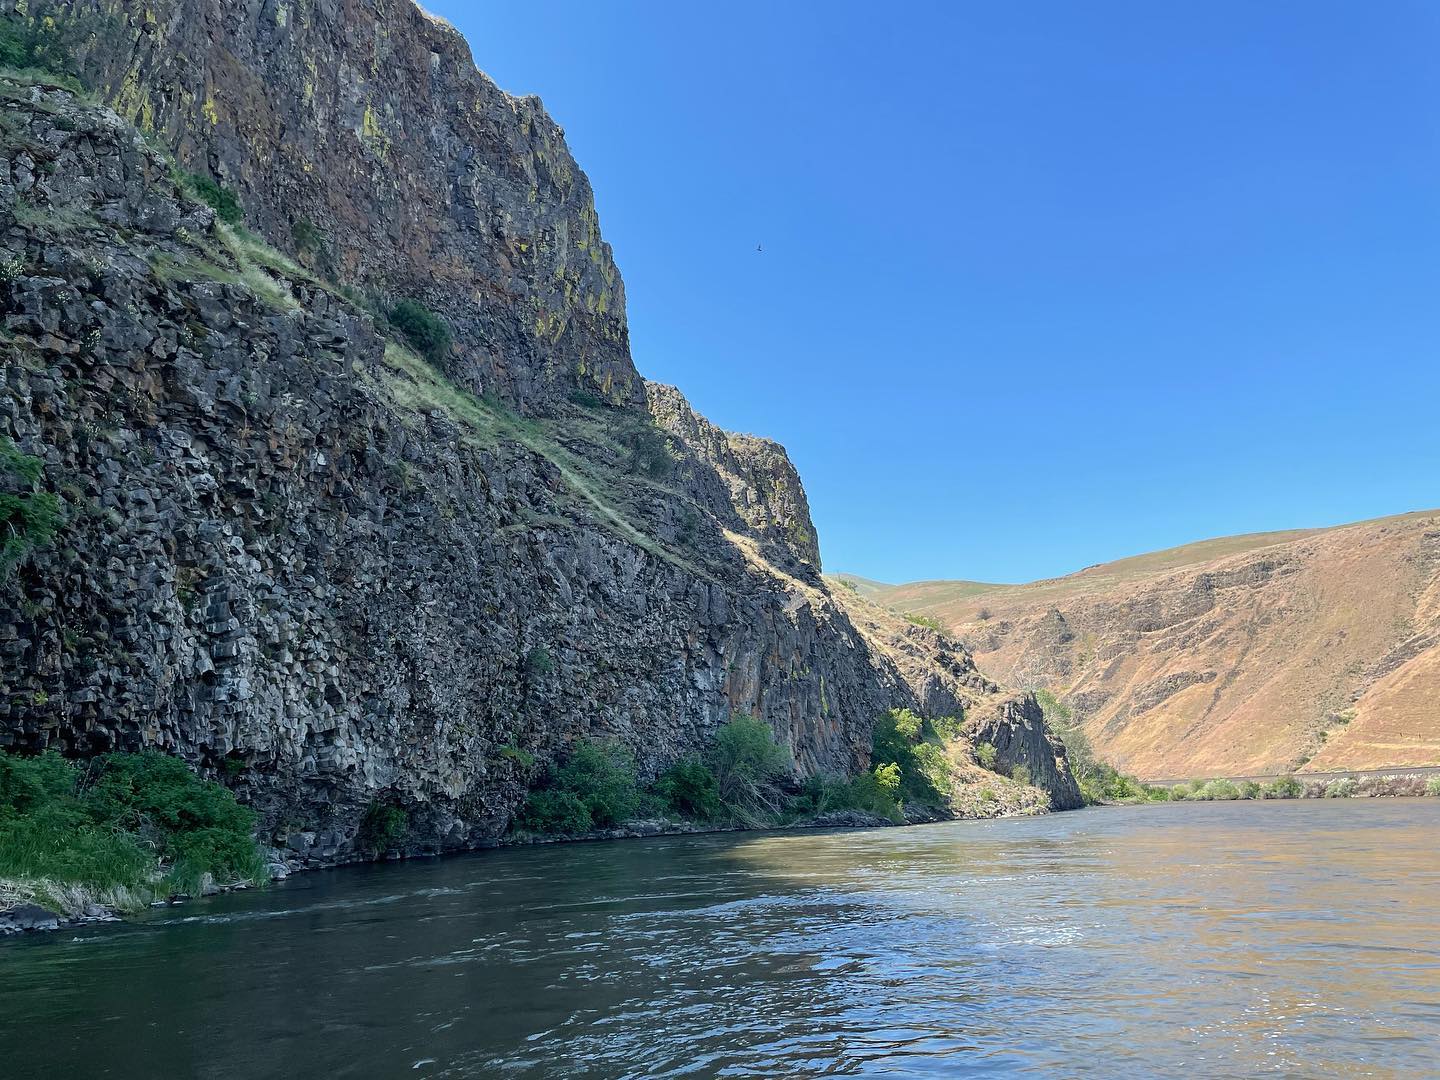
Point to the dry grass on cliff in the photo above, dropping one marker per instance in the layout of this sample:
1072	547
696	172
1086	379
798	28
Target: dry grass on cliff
418	385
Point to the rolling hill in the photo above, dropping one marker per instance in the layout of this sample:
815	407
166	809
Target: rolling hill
1309	649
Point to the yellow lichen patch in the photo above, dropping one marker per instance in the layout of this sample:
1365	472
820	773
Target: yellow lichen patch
212	113
372	134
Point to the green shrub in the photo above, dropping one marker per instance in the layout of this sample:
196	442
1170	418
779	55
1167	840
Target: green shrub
934	766
427	333
985	754
1222	790
896	740
888	778
864	793
1020	774
1249	790
29	517
216	196
598	777
1341	789
906	725
122	820
927	621
650	453
1286	787
538	661
749	767
689	788
1432	786
551	810
947	728
602	774
382	828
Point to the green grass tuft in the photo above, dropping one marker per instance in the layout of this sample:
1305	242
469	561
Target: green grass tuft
138	822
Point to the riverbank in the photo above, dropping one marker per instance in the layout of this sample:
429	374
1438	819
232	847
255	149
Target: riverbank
82	906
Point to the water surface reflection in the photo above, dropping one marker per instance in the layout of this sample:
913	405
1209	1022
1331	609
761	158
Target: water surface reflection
1215	939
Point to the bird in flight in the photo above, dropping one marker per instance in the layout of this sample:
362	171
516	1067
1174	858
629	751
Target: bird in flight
758	249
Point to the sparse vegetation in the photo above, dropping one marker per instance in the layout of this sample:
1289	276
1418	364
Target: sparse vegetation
29	517
519	756
650	453
121	828
539	662
985	754
927	621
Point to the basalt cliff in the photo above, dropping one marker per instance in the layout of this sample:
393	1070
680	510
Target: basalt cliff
331	571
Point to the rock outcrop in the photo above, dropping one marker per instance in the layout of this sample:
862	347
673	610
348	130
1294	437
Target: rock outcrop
323	569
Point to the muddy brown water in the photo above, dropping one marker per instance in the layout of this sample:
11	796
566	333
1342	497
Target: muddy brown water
1210	939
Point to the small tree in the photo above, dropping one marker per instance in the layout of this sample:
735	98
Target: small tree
749	766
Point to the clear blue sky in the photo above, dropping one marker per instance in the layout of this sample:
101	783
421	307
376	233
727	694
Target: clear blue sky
1044	283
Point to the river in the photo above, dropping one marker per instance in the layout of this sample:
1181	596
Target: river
1196	939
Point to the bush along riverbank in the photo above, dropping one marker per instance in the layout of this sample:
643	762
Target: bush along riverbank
922	771
114	834
1297	787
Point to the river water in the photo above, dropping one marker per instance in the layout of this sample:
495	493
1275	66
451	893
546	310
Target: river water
1211	939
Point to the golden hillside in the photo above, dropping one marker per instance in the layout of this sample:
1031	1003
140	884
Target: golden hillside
1313	649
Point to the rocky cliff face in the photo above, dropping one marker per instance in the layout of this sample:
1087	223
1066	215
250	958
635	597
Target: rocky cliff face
361	139
1248	655
310	562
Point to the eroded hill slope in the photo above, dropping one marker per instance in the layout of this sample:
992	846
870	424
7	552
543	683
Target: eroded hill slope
1313	649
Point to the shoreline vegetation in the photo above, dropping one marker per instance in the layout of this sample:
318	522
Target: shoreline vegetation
117	833
85	840
922	770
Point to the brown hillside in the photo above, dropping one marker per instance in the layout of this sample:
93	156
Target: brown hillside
1313	649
